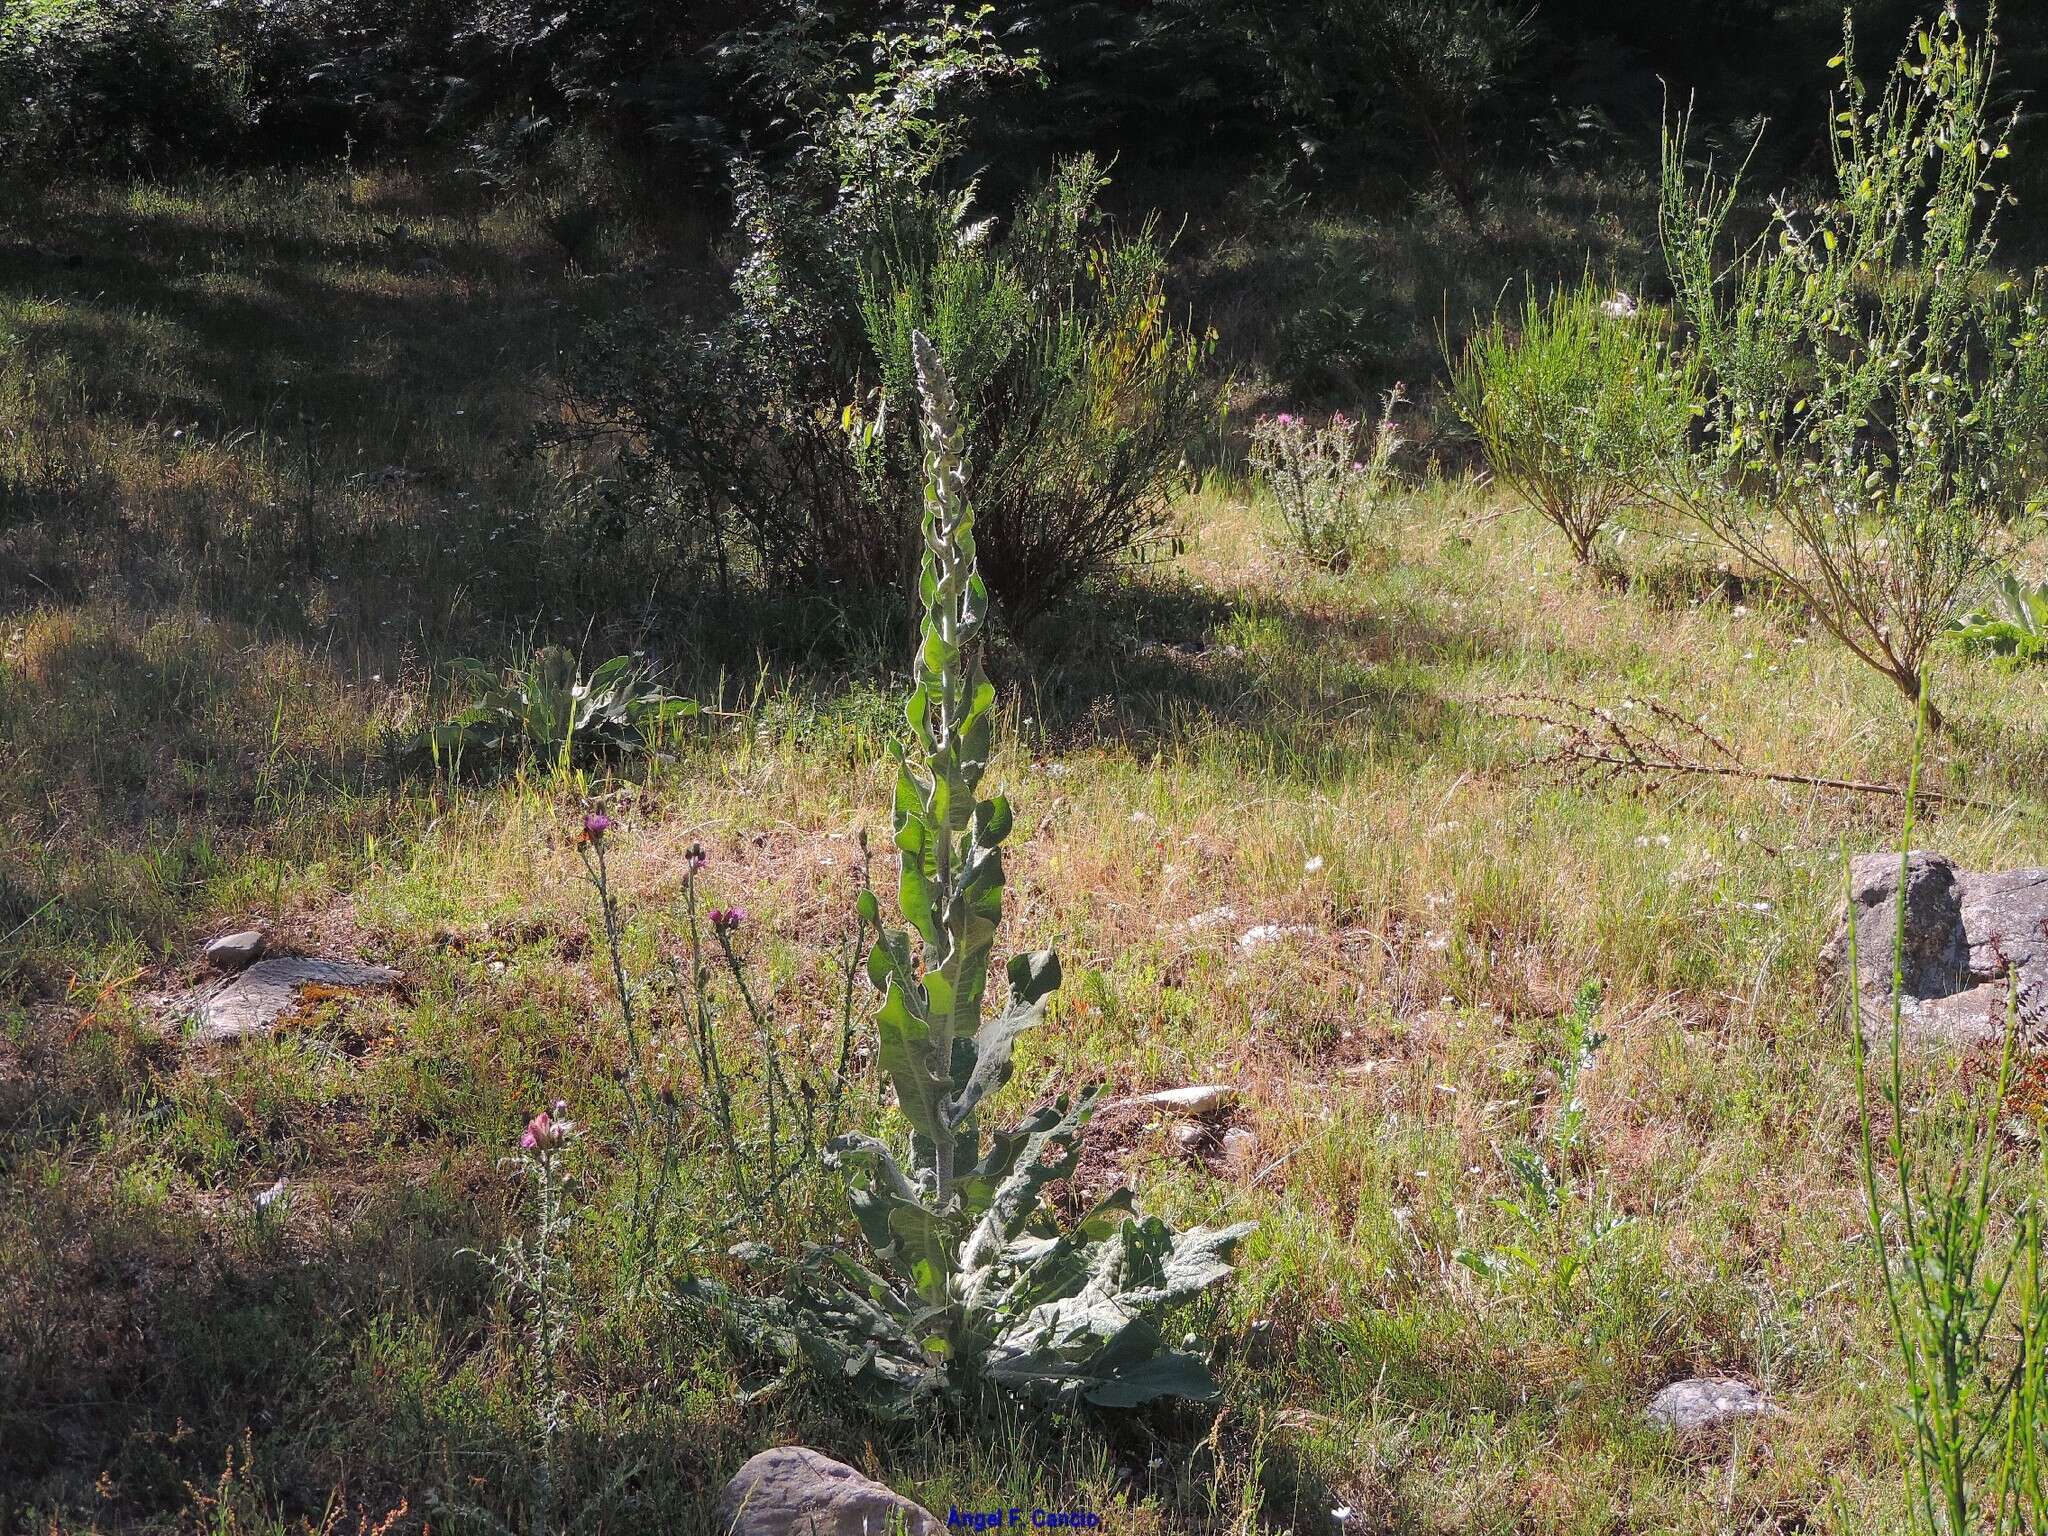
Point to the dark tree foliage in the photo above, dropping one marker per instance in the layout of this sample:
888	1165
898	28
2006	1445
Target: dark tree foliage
1437	90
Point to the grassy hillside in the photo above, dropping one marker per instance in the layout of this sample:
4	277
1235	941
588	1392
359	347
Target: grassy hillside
262	478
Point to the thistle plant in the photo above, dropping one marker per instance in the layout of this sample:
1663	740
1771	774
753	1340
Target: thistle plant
534	1271
1876	387
972	1285
1326	482
773	1109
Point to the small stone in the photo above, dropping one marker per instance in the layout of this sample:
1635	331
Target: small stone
1259	935
1240	1146
236	951
795	1491
1212	918
1188	1136
1700	1402
1204	1100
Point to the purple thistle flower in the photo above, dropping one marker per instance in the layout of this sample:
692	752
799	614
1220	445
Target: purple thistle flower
696	857
726	919
595	825
545	1132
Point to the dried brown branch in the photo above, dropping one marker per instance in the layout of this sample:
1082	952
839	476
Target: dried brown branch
1650	744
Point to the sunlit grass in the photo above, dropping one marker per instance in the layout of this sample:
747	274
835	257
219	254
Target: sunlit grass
1243	742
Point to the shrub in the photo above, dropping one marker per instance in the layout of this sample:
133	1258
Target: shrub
972	1286
1327	482
780	438
125	84
550	711
1573	406
1087	398
1876	387
2014	628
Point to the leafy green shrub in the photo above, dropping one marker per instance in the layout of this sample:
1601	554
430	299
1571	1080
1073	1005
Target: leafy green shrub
551	713
1086	397
766	436
1573	406
2014	628
1327	482
125	84
1877	389
972	1285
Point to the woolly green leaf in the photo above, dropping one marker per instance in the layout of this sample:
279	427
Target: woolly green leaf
906	1054
1147	1379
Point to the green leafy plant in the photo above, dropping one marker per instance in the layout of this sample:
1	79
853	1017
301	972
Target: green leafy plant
1087	398
1327	482
1573	405
1560	1230
1876	387
2014	627
552	712
973	1285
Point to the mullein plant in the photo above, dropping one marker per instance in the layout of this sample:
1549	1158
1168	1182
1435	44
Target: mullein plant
970	1284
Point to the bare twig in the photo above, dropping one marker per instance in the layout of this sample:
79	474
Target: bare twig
1651	743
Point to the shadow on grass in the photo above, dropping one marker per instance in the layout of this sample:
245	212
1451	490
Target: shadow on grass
359	1347
144	760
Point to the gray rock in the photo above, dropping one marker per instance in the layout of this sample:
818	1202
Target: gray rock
1968	938
1700	1402
1204	1100
795	1491
270	989
235	951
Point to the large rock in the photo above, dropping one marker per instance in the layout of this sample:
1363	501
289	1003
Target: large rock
1701	1402
1968	938
270	989
795	1491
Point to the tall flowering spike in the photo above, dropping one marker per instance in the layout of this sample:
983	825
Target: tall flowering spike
940	1056
950	586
